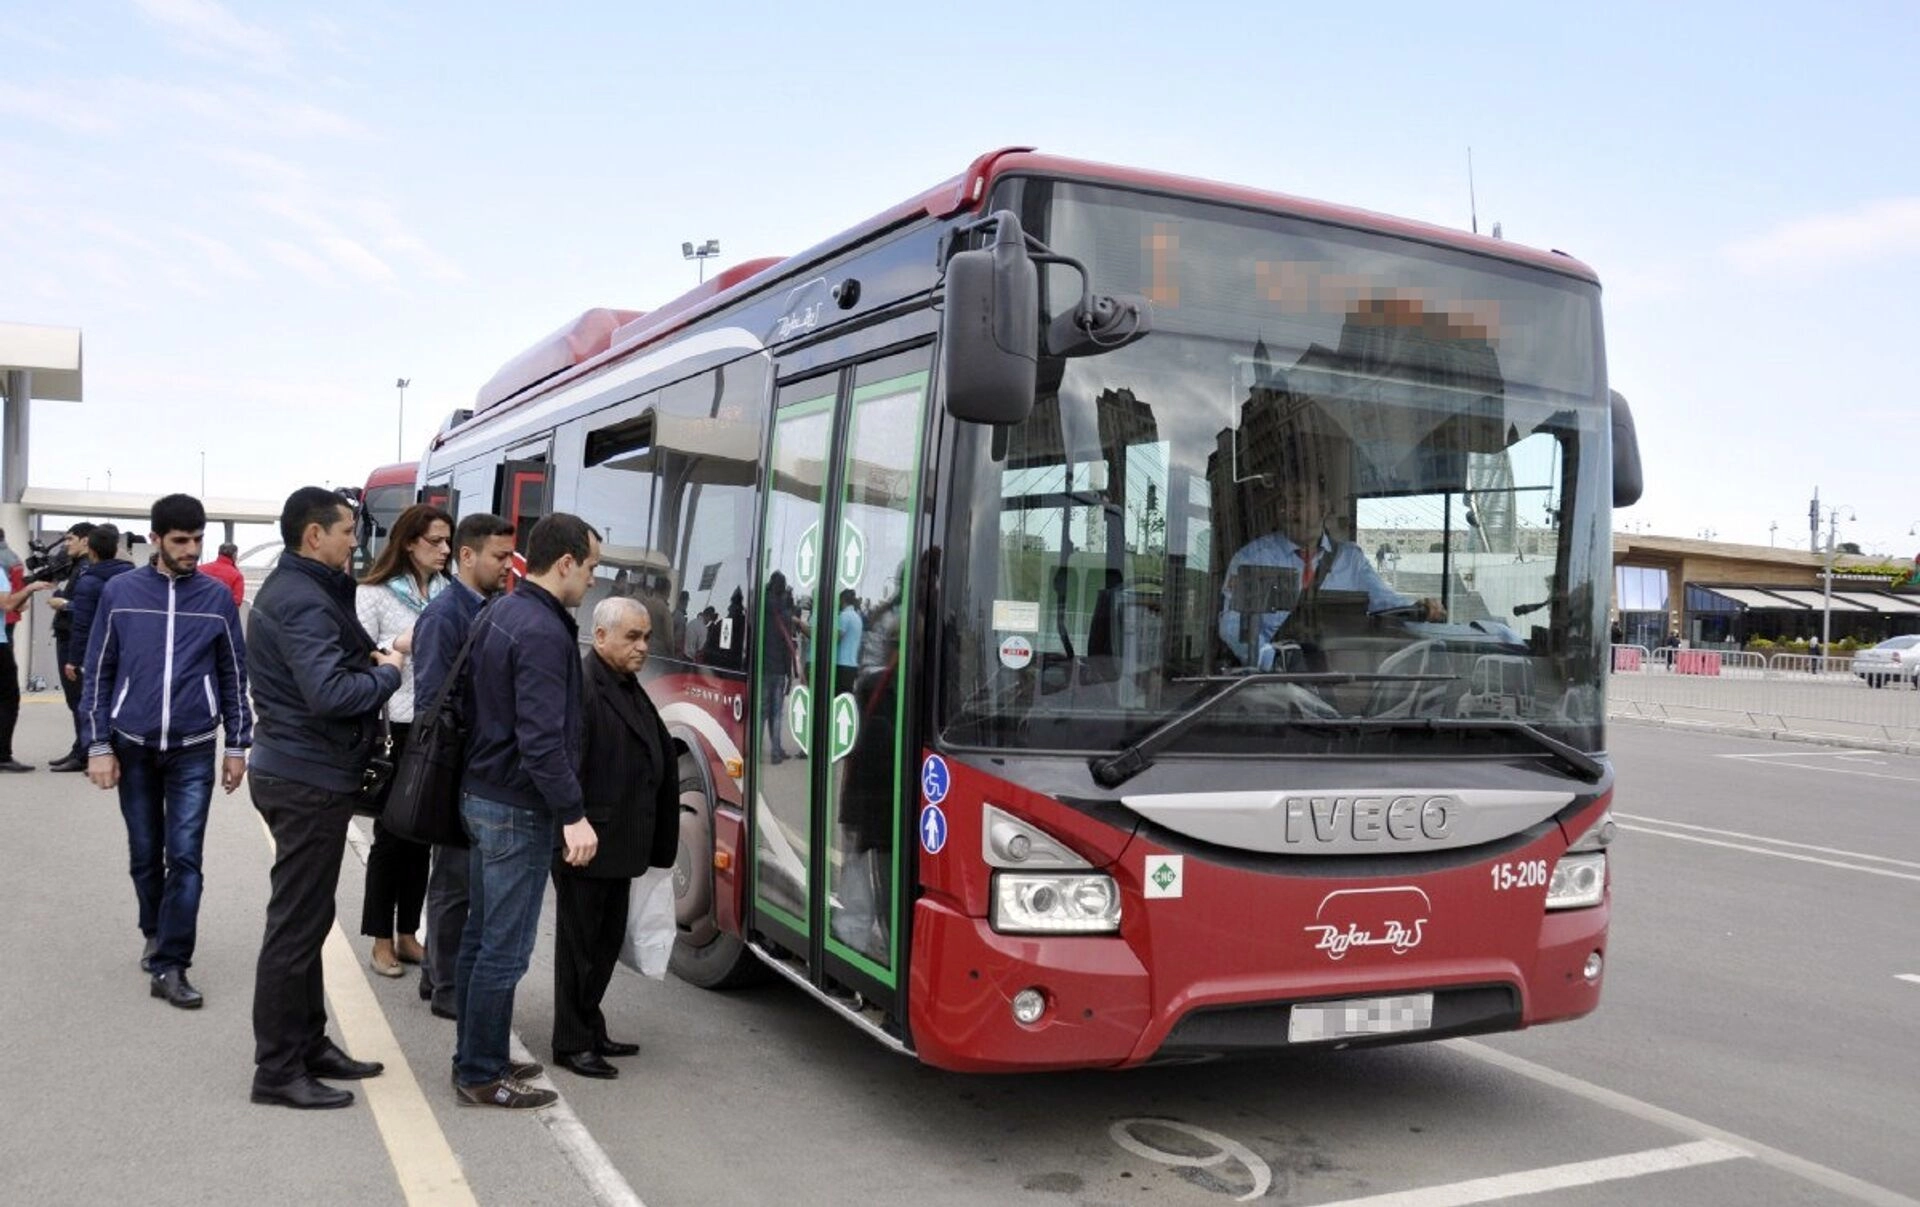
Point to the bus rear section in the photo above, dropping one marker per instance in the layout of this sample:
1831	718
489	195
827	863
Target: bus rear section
1264	921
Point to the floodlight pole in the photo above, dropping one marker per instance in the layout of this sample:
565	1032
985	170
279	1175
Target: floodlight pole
400	432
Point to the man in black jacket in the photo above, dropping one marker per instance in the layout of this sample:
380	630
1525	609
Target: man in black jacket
628	775
521	795
61	601
318	684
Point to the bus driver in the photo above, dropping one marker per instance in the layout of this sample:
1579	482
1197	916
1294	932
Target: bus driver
1304	547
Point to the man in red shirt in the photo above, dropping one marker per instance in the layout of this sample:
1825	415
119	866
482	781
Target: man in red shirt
227	571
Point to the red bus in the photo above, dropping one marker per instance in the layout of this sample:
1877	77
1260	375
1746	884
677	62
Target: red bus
1107	617
389	491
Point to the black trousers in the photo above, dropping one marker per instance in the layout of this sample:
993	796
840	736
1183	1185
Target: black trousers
70	688
309	827
396	873
9	695
590	923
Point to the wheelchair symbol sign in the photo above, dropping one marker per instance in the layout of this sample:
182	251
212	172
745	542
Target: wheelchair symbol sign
933	779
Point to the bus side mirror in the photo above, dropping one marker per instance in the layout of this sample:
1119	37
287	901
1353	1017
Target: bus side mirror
992	300
1627	483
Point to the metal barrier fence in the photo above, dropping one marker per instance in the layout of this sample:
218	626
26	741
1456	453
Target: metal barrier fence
1783	693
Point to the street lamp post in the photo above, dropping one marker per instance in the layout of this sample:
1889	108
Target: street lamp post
1826	579
400	432
702	253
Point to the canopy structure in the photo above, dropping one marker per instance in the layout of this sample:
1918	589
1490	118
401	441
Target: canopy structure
35	362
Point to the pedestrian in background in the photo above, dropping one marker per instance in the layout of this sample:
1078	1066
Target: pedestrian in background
166	673
227	571
318	684
521	796
631	790
69	673
483	549
104	564
14	594
403	580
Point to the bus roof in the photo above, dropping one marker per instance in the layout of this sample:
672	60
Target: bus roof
604	333
400	473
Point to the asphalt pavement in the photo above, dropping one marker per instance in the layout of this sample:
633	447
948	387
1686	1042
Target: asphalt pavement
1754	1045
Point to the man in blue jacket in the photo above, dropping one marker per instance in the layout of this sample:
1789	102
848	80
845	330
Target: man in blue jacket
104	565
521	797
166	671
318	685
483	551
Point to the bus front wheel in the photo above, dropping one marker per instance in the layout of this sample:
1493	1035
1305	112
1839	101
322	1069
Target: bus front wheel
703	955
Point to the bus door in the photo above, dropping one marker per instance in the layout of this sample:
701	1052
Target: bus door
526	496
829	661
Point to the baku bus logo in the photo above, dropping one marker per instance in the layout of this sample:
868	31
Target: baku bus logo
1393	918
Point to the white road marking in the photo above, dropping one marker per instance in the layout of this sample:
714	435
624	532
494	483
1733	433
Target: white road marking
1740	846
576	1143
1907	976
1554	1177
1224	1147
1800	1167
1778	842
1824	769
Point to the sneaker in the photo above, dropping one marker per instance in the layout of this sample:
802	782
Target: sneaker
507	1094
518	1070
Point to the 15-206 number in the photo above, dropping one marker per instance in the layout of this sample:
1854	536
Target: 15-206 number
1529	873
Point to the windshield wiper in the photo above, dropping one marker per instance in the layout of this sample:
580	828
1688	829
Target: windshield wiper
1575	759
1121	766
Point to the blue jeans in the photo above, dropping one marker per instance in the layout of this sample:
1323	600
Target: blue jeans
164	799
512	850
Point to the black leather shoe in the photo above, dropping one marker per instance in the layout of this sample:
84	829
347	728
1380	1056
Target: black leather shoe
146	953
174	986
302	1094
330	1062
586	1064
14	765
439	1013
613	1047
67	763
426	986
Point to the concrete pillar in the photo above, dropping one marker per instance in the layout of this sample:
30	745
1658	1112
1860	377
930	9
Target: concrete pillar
13	439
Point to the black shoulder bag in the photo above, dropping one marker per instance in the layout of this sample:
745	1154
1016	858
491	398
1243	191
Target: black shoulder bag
423	803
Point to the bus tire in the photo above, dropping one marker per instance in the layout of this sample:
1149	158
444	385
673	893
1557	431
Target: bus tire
703	955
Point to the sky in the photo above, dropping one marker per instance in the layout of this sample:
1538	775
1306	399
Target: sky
262	215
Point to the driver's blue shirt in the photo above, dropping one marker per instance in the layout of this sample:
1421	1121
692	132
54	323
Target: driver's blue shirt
1337	566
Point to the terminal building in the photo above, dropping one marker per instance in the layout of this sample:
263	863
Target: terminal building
1717	594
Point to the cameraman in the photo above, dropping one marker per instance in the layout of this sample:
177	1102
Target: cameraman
14	594
78	559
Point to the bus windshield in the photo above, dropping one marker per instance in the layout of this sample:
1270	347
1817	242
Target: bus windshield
1372	471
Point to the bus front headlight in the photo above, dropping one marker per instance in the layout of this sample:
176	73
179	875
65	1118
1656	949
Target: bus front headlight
1057	903
1579	879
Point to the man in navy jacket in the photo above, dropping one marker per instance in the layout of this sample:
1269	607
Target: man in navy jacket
483	552
318	683
521	796
166	671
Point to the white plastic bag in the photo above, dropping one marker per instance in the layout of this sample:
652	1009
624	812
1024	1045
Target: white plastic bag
650	924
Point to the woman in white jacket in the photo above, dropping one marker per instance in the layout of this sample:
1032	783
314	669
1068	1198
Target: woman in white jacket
409	572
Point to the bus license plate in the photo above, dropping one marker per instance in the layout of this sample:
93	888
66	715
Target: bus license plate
1359	1016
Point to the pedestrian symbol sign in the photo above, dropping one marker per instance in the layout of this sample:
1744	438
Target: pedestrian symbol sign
933	829
846	725
799	712
853	555
807	558
933	779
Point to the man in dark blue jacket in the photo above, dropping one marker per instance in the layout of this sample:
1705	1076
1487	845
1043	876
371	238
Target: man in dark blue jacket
106	564
166	670
318	685
483	551
521	797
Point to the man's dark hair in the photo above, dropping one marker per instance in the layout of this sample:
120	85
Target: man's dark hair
80	529
309	505
475	530
229	550
103	542
556	536
178	513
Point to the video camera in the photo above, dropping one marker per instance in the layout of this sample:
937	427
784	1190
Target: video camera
48	563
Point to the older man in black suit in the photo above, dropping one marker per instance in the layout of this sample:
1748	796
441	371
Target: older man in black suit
630	776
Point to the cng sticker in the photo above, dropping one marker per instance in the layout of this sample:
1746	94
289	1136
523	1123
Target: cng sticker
1163	876
846	725
799	712
933	829
853	555
806	558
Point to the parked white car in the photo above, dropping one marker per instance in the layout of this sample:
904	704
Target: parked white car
1895	660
